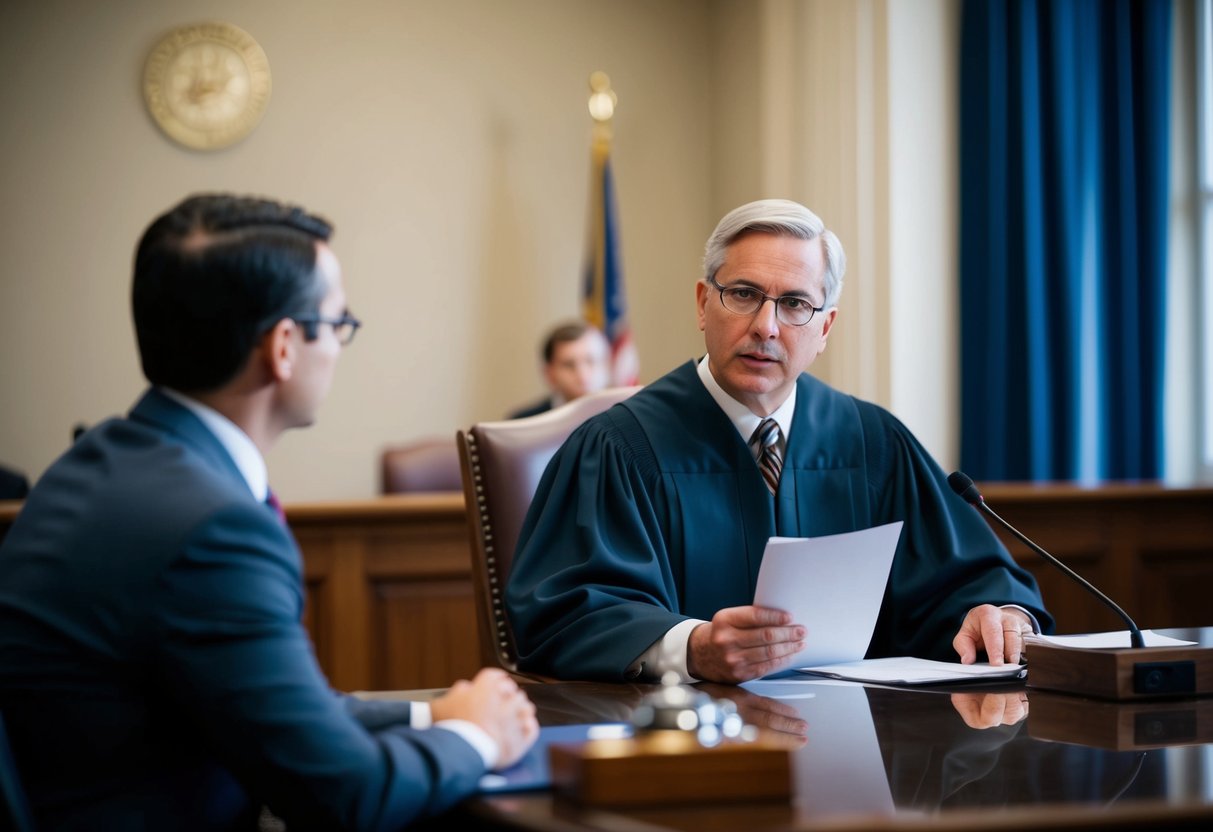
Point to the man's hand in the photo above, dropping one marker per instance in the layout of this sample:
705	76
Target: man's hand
996	630
988	710
743	643
494	702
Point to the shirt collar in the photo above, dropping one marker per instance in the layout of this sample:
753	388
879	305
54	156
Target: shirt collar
235	441
745	420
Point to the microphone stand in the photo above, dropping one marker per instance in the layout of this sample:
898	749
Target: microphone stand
1135	637
1115	673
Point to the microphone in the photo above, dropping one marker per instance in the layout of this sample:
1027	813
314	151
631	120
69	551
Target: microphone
968	492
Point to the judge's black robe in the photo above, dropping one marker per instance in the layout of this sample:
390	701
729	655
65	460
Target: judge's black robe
655	511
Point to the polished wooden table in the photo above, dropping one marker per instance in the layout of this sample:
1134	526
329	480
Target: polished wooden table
879	758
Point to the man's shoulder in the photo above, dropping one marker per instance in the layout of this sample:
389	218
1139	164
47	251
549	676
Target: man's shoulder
533	409
664	424
113	515
678	388
813	394
838	421
662	405
129	475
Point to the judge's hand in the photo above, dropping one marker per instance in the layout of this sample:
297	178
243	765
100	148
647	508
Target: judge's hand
996	630
987	710
743	643
494	702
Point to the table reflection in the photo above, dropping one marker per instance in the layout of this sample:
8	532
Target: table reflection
975	751
838	769
909	753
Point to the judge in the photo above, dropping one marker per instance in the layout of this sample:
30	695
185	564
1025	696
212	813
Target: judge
641	550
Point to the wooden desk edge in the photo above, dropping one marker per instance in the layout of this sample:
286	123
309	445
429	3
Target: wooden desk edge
452	503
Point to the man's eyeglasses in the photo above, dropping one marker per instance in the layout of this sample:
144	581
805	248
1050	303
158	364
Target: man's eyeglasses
792	310
344	327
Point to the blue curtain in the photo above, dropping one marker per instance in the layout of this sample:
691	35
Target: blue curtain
1064	131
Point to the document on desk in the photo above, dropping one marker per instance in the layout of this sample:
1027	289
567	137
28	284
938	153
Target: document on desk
905	670
1100	641
833	585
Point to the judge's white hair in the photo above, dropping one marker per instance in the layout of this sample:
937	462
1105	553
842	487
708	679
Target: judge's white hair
782	217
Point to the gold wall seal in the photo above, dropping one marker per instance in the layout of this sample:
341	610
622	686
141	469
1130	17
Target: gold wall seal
207	84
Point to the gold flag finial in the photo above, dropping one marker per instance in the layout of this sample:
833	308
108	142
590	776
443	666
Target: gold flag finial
602	97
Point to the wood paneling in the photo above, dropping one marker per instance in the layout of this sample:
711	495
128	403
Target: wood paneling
389	590
1148	547
389	585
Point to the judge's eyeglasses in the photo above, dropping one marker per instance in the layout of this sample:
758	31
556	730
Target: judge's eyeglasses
793	310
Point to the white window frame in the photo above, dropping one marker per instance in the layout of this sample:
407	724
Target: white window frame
1204	237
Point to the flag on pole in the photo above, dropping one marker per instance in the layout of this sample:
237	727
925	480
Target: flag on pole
605	302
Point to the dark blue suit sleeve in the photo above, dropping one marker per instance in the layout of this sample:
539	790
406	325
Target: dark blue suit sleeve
237	661
374	714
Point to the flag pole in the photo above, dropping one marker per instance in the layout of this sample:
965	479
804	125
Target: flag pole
605	304
602	109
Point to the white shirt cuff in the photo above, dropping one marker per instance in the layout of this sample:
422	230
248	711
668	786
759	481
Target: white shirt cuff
666	654
420	715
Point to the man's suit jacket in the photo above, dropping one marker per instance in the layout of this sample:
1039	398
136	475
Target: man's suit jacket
154	672
533	409
13	484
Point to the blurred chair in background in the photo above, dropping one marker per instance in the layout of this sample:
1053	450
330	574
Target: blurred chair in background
429	464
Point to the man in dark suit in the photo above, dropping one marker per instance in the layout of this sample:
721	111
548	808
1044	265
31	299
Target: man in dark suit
576	361
154	672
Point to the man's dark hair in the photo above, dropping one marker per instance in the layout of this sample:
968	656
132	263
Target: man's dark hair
562	334
213	275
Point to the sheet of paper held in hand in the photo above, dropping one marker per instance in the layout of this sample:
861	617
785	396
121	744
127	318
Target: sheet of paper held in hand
833	585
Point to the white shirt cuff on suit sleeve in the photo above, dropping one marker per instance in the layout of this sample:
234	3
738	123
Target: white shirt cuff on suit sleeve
667	653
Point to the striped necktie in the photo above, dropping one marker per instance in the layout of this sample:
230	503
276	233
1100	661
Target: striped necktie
770	460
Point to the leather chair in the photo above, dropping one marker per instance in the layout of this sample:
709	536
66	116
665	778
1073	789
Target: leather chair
502	463
429	464
17	815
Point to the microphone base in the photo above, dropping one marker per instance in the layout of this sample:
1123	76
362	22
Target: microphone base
1123	673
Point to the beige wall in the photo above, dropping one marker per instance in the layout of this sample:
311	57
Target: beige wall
448	141
850	106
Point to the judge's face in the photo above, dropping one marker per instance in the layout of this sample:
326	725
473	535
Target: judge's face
756	358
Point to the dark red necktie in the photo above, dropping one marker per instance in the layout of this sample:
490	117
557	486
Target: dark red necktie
271	500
